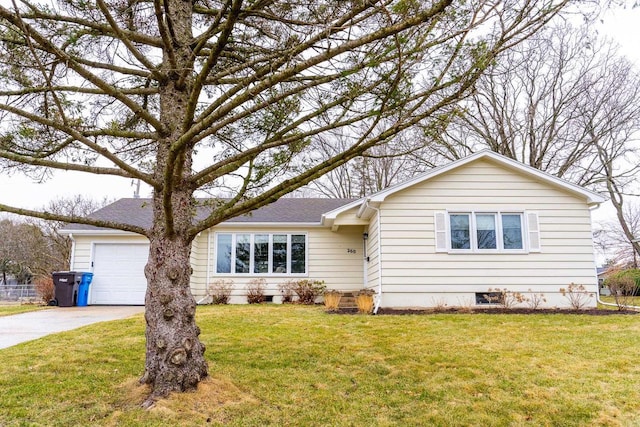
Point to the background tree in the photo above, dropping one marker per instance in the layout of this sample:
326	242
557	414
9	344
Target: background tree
563	102
553	102
379	167
614	241
59	252
24	251
34	247
135	89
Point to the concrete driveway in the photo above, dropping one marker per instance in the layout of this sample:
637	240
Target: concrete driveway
35	324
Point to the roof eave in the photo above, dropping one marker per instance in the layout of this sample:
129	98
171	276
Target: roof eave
329	217
229	224
97	232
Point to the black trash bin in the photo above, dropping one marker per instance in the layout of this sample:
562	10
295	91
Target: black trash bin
66	288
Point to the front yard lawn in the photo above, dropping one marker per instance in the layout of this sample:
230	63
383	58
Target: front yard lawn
9	309
298	366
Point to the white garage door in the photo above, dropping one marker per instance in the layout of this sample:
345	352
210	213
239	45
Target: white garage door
118	274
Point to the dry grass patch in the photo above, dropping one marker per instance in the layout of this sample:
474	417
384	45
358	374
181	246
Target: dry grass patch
204	405
332	300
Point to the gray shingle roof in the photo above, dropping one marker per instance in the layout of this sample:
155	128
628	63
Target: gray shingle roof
138	212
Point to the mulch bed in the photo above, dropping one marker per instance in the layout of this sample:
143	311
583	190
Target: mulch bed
495	310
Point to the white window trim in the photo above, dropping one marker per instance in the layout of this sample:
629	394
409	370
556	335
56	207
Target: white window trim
524	231
252	234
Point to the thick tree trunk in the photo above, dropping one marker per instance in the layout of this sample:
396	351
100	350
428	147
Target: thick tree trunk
175	356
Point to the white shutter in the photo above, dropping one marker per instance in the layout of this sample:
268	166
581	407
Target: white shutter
534	232
440	221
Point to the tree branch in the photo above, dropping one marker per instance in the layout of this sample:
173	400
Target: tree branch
49	216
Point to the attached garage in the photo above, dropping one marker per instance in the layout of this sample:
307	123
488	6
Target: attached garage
118	274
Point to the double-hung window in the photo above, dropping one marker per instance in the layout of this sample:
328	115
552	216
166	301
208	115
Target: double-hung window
478	231
261	253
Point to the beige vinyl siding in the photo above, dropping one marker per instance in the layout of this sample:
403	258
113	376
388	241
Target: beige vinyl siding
411	264
327	257
372	251
83	254
199	252
349	218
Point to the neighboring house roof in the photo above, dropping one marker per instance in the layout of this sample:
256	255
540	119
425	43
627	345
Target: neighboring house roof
138	212
592	199
603	272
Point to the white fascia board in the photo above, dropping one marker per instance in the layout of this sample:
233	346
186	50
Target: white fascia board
268	224
591	197
328	217
106	232
112	232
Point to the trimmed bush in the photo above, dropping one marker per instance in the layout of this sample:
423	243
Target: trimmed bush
220	291
287	291
309	290
255	291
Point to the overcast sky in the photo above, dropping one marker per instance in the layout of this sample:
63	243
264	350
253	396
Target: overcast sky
24	192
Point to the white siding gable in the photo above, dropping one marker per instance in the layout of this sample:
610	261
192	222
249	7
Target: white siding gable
419	269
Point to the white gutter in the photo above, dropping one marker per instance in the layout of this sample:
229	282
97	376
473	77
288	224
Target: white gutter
365	262
379	300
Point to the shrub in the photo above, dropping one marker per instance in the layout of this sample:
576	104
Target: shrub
309	290
332	300
364	301
622	288
439	304
287	291
577	295
535	300
220	291
465	305
45	289
504	297
255	291
626	275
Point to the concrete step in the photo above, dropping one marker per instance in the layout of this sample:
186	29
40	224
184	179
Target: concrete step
348	300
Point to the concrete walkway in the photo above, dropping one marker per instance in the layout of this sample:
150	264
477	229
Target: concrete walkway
35	324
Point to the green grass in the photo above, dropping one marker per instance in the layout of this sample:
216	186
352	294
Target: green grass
9	309
297	366
632	301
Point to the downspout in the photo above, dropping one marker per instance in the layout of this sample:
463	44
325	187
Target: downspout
628	307
72	256
365	259
379	299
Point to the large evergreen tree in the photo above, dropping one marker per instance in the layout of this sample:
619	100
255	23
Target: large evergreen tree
137	88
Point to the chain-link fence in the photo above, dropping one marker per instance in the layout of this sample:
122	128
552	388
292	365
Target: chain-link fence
17	292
